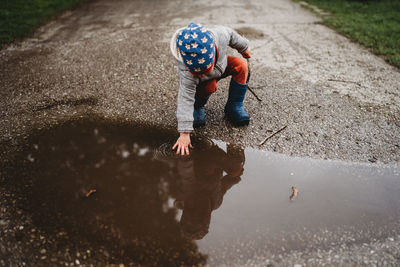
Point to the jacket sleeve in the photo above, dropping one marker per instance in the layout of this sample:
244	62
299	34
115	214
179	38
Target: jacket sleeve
237	41
185	105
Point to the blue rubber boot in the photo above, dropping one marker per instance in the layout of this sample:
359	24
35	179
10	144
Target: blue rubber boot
234	109
199	115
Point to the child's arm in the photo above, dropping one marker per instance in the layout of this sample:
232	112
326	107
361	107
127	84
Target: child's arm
184	112
239	43
185	103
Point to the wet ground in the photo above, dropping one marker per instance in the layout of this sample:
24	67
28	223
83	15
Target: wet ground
110	60
101	192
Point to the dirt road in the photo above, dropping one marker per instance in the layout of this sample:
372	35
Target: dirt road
111	59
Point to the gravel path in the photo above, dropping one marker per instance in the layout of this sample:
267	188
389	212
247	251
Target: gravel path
338	100
111	59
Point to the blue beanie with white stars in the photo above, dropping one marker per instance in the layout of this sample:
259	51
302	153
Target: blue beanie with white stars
196	46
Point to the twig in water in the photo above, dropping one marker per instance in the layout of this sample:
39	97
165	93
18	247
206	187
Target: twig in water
294	194
91	191
265	140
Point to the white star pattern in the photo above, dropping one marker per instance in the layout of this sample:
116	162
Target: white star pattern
196	46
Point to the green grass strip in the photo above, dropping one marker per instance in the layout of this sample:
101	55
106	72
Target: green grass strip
19	18
373	23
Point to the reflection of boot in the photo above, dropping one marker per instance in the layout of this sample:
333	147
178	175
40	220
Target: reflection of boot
234	109
199	114
234	161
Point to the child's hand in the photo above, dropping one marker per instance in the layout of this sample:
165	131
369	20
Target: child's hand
246	54
183	144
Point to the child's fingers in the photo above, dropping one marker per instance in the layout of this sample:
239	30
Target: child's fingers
179	150
183	148
246	55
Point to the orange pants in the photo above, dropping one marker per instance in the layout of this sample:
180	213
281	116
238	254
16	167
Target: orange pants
237	67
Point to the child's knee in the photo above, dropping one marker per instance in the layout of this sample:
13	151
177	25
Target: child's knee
240	70
242	66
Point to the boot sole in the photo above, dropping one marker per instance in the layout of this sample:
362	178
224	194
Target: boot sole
237	123
240	123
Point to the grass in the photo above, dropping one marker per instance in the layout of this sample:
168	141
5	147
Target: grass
373	23
19	18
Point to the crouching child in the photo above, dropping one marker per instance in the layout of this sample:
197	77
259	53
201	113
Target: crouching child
202	60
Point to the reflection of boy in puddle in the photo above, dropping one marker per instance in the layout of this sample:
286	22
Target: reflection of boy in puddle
202	186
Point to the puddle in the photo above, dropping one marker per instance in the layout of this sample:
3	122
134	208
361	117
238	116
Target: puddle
118	191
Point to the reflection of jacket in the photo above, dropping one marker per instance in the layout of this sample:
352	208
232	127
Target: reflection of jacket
202	186
223	37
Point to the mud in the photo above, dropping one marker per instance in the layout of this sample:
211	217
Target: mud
98	192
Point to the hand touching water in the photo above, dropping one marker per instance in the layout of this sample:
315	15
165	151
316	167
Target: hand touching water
183	144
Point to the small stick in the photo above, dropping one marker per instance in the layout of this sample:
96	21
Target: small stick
91	191
248	79
343	81
251	90
294	194
265	140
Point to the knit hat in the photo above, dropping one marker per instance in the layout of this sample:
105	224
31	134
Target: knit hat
196	46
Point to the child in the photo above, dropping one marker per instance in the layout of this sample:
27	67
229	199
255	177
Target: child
202	60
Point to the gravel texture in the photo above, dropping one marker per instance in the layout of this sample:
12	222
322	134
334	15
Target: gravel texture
111	59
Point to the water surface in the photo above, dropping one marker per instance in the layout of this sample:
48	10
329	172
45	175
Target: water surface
120	191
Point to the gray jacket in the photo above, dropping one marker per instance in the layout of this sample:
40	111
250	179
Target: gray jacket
223	36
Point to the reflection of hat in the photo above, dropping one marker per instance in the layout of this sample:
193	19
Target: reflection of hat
196	217
196	46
